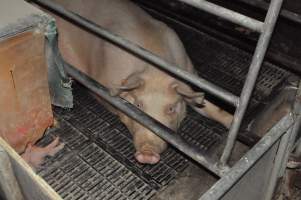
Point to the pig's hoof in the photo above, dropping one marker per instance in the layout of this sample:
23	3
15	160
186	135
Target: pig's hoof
35	155
147	157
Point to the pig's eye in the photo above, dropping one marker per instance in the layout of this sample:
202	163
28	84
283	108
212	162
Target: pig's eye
139	105
171	109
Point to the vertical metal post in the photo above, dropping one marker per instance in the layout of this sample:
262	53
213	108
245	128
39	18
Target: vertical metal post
249	160
257	60
281	158
285	148
298	148
8	182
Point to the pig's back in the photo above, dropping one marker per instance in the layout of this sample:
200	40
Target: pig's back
103	61
119	16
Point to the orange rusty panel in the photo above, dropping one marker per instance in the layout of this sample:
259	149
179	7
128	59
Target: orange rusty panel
25	108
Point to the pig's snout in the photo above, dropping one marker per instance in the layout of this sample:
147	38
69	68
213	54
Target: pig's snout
149	151
147	157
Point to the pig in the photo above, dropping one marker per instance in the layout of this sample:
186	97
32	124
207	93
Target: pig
153	91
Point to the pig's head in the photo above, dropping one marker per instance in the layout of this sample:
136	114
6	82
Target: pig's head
161	97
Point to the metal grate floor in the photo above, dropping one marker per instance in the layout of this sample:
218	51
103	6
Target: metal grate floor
98	160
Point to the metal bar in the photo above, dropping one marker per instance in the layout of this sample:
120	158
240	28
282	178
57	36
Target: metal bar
293	140
144	119
246	162
8	183
227	14
295	17
297	146
257	60
285	148
140	52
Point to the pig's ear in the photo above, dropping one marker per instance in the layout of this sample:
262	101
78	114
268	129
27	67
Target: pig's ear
191	97
131	83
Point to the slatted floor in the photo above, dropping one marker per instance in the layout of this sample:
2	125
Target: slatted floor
98	160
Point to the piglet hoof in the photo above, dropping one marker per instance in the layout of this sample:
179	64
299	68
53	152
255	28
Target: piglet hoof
35	155
147	157
56	123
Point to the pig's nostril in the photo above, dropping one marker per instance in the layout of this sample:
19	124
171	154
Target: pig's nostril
147	157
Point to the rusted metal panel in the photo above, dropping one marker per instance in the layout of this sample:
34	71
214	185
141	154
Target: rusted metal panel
25	104
25	107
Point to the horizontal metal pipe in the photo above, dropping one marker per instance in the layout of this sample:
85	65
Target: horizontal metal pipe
220	188
227	14
295	17
144	119
249	84
139	51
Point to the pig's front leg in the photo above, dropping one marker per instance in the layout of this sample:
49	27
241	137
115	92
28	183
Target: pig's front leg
35	155
216	113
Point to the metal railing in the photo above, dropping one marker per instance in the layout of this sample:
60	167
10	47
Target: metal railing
249	160
227	14
282	135
261	48
144	119
140	51
241	103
